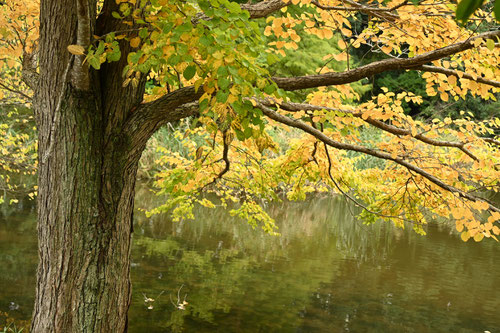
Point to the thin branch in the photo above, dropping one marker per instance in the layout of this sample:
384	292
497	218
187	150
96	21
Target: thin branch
225	158
353	200
493	141
145	120
15	91
458	74
160	109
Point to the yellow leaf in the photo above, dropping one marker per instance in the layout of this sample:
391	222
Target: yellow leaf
465	236
452	80
134	42
76	49
495	216
310	24
346	32
386	49
328	33
477	42
479	237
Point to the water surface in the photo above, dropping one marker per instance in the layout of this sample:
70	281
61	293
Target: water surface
327	272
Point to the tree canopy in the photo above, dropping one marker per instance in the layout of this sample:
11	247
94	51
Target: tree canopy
219	62
104	75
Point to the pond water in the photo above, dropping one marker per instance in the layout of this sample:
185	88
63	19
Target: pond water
327	272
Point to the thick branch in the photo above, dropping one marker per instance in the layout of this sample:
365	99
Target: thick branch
458	74
256	10
161	108
80	71
336	78
264	8
346	146
29	74
149	117
382	13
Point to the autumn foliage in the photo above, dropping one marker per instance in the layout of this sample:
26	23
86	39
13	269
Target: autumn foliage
255	143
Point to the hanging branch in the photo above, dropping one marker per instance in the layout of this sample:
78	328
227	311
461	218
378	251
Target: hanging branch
382	155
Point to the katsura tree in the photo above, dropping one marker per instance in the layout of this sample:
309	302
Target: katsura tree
103	76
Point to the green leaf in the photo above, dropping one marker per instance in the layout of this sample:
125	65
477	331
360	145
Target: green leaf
490	44
134	57
143	33
206	40
182	49
189	72
100	48
466	7
115	55
222	71
95	62
247	132
234	8
110	37
496	10
272	59
269	89
174	59
203	104
222	96
223	83
186	27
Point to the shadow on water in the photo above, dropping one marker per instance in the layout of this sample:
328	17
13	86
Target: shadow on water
325	273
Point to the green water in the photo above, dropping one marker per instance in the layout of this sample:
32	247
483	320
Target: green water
325	273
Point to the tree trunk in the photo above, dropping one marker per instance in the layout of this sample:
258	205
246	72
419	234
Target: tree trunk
85	204
87	172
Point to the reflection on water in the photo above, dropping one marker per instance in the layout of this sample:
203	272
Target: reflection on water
325	273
